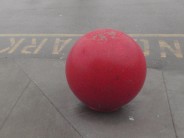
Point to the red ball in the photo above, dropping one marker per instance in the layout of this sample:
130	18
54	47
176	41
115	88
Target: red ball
105	69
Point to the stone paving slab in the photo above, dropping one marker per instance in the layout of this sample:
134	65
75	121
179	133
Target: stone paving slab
12	84
148	115
34	117
175	85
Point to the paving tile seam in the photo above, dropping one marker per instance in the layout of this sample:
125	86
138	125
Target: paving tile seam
171	90
11	110
52	104
170	110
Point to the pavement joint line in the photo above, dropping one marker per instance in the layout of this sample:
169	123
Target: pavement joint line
61	114
77	35
166	90
11	110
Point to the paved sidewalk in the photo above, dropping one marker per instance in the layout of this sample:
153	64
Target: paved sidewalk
35	38
41	104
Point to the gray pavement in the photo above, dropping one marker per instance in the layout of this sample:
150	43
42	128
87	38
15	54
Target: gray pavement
35	38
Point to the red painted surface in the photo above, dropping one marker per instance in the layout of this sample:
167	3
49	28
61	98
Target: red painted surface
105	69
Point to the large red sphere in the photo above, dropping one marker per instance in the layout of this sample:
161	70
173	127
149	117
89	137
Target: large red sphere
105	69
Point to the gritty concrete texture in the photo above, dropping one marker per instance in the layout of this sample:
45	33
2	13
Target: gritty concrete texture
149	111
174	83
76	16
13	82
34	116
35	38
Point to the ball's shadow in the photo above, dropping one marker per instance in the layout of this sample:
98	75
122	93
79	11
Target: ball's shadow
116	117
